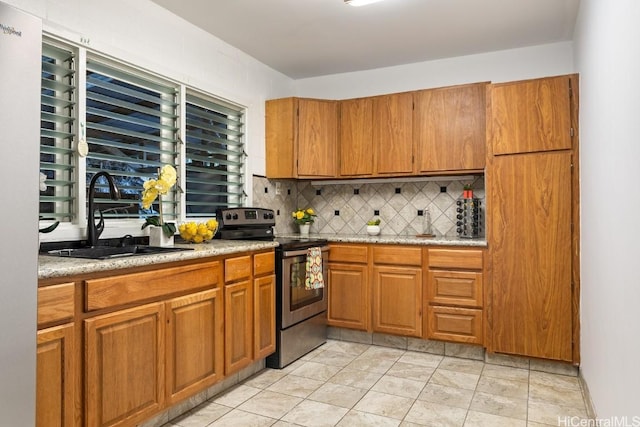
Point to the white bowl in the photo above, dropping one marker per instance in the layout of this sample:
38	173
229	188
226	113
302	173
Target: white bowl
373	230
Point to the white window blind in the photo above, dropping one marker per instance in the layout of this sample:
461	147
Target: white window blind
57	133
131	132
214	156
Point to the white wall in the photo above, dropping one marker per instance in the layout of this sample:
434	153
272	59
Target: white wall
507	65
607	53
150	37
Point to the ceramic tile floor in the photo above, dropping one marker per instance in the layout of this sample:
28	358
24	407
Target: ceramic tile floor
349	384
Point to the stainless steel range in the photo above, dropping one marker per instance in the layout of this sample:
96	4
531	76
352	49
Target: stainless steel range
301	313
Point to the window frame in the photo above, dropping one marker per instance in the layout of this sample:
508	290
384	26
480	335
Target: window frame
118	227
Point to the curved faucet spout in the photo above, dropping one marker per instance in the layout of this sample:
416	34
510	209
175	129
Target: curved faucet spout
95	230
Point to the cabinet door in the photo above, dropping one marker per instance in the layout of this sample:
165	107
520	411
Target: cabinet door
530	116
55	377
280	137
264	313
392	134
348	298
356	137
397	300
530	240
195	343
317	138
449	128
238	326
124	378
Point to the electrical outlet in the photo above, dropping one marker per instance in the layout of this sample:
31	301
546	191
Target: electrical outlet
278	188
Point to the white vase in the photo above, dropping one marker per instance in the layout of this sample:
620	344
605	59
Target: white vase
373	230
158	238
304	229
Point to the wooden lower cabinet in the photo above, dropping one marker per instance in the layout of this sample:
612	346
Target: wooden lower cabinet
55	377
238	326
455	324
348	296
194	343
397	300
124	362
264	314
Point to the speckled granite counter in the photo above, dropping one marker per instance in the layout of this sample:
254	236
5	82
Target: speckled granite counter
397	240
52	266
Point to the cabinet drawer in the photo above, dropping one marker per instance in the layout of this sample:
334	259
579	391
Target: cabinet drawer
55	303
455	324
455	258
397	255
129	288
263	264
348	253
237	268
455	288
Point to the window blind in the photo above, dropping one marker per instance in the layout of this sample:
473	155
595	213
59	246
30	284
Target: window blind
57	133
214	156
131	132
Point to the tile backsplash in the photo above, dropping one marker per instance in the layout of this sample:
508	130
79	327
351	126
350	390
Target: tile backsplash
346	208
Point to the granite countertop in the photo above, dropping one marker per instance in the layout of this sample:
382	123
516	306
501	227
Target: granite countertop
53	266
396	240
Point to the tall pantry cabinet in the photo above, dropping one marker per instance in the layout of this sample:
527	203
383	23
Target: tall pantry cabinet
532	182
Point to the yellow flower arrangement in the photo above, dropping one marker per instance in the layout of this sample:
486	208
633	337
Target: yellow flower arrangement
304	216
154	189
198	232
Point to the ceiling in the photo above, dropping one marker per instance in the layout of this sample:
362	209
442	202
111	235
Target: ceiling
309	38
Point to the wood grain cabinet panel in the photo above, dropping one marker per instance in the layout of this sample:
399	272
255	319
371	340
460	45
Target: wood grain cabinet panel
348	253
195	343
449	128
397	300
461	288
531	116
356	137
55	377
393	134
455	324
264	263
531	244
264	315
55	303
397	255
348	296
137	287
124	362
237	268
301	138
238	326
467	259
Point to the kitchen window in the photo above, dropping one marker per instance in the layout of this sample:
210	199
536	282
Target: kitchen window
131	131
57	133
214	156
132	122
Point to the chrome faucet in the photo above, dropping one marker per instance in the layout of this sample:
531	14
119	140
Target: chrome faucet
95	230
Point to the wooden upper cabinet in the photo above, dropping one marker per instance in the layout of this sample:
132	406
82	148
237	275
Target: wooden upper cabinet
449	128
393	134
301	138
356	137
531	115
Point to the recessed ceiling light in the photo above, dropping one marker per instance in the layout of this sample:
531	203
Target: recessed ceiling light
360	2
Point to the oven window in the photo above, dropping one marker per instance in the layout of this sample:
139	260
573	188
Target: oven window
300	296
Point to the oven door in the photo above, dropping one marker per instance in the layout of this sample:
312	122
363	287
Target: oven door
299	303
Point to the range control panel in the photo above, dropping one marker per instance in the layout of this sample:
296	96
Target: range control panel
245	217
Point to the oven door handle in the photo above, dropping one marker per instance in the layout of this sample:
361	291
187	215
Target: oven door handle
288	254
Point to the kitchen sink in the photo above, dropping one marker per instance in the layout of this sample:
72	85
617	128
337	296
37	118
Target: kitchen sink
109	252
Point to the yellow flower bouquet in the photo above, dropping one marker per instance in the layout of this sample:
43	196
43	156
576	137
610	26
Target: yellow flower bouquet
304	216
198	232
154	189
